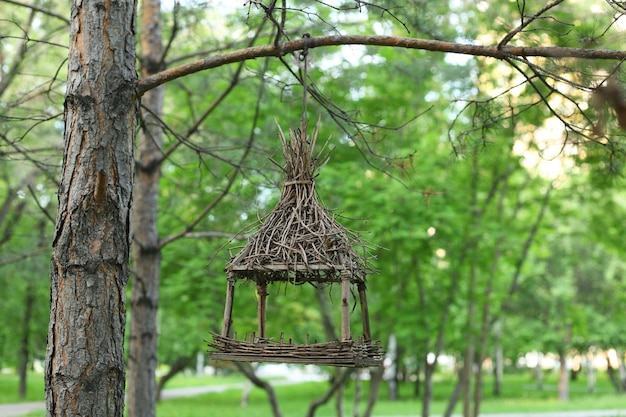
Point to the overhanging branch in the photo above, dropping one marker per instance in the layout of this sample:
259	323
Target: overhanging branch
285	48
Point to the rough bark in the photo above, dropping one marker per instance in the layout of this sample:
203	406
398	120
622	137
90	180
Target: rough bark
90	258
142	343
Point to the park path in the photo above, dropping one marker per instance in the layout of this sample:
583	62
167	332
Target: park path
19	409
15	410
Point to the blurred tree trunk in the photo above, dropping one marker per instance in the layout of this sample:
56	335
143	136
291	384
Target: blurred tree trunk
90	251
612	377
465	379
539	371
178	366
29	302
142	343
247	369
376	377
418	380
563	384
427	397
564	375
498	369
391	371
621	368
454	398
590	370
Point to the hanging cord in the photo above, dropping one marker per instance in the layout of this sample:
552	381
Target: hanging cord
303	57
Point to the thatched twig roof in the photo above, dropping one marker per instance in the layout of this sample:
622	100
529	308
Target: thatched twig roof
299	240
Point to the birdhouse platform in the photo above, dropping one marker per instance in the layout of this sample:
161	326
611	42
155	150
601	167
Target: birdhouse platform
349	353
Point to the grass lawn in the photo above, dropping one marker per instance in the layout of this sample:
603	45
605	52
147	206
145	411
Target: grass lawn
520	394
9	386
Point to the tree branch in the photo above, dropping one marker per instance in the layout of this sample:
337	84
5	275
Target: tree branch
215	234
285	48
39	9
248	371
338	382
231	178
525	22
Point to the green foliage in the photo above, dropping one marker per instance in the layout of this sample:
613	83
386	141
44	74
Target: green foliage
439	162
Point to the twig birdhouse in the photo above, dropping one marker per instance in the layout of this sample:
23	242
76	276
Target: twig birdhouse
299	242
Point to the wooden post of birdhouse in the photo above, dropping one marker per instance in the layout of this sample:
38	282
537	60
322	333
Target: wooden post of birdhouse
228	306
345	304
364	312
261	289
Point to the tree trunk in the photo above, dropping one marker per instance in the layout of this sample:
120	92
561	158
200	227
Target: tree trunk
391	372
465	378
563	385
142	349
90	251
29	302
470	350
248	371
454	398
358	392
498	359
418	381
621	368
429	370
178	366
612	377
590	371
376	377
342	376
478	385
339	396
539	371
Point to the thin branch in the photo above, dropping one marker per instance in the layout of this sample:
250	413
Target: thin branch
529	240
289	47
39	9
343	118
19	57
524	255
231	179
216	234
172	35
526	22
248	371
17	258
41	207
231	86
338	382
